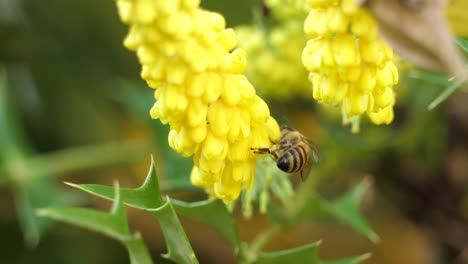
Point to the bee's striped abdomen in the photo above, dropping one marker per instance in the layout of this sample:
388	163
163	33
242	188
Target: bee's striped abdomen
293	160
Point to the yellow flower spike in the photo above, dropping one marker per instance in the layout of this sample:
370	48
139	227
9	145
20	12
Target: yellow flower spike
355	103
349	63
345	51
188	56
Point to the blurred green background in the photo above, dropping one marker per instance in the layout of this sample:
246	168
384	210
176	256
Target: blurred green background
73	108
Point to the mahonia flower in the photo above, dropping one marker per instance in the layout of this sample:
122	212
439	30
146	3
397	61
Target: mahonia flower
347	60
276	69
214	114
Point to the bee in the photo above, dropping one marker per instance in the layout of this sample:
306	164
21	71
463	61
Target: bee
293	153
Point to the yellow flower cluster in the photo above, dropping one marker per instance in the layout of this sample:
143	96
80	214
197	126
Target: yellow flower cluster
347	60
214	114
276	69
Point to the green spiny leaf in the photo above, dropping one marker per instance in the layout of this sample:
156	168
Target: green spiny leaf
345	209
214	213
178	246
113	224
147	196
137	250
304	254
351	260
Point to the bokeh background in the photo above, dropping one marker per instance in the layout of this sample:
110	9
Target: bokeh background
73	108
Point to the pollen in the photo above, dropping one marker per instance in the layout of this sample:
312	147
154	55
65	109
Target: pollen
215	117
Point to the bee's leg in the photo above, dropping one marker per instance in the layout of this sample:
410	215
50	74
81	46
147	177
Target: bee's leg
261	150
274	155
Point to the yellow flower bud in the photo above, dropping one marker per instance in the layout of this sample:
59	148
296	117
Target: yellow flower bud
367	79
316	23
363	25
213	147
196	113
349	7
230	93
383	116
273	130
373	52
355	103
198	133
337	21
345	51
259	111
384	99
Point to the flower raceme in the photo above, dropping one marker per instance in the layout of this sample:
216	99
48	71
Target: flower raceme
188	57
347	61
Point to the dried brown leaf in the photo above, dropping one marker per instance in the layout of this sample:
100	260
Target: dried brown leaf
417	30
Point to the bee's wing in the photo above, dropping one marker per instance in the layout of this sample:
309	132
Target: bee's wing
314	150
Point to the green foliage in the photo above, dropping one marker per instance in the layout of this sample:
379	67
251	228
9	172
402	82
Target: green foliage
32	186
304	254
345	208
213	212
451	84
148	197
113	224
